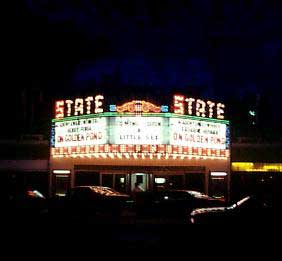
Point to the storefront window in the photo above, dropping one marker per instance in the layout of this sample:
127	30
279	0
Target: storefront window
87	178
107	180
195	181
168	182
175	182
120	184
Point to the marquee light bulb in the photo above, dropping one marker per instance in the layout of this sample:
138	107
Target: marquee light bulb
59	109
98	103
89	100
211	105
78	106
190	105
179	104
220	111
69	103
200	108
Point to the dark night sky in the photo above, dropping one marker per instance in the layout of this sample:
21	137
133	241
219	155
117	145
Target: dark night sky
218	49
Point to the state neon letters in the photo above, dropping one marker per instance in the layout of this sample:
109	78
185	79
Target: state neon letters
79	106
197	107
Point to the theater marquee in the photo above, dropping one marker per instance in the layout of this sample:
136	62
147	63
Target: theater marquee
139	129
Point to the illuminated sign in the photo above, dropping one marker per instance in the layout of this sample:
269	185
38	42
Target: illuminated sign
196	133
197	107
138	107
181	105
218	174
80	132
140	129
137	130
160	180
139	152
112	135
79	106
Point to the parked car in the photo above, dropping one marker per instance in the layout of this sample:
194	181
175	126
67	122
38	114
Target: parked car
95	201
173	202
30	203
248	210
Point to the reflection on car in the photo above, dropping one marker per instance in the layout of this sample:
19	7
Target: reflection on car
30	203
95	200
173	202
250	209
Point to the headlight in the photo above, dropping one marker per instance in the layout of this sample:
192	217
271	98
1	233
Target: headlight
192	220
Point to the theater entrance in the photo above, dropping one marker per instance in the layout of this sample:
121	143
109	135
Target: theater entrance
142	179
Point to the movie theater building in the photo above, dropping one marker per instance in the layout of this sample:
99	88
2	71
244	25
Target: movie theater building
185	145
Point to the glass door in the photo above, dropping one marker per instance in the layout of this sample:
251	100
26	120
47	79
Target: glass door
62	184
142	179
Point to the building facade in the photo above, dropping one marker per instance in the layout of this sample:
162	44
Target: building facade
256	168
183	146
24	164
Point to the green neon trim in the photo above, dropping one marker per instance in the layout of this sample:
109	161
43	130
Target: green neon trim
129	114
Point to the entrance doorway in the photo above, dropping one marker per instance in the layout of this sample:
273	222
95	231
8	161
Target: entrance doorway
61	184
218	185
142	179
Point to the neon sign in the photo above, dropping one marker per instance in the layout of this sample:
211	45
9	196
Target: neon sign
181	105
89	105
198	107
138	107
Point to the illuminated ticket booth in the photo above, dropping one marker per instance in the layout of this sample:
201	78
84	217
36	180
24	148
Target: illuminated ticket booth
183	146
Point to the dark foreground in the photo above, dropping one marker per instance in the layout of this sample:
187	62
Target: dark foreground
102	235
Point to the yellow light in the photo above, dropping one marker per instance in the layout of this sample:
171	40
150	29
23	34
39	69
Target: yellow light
256	167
